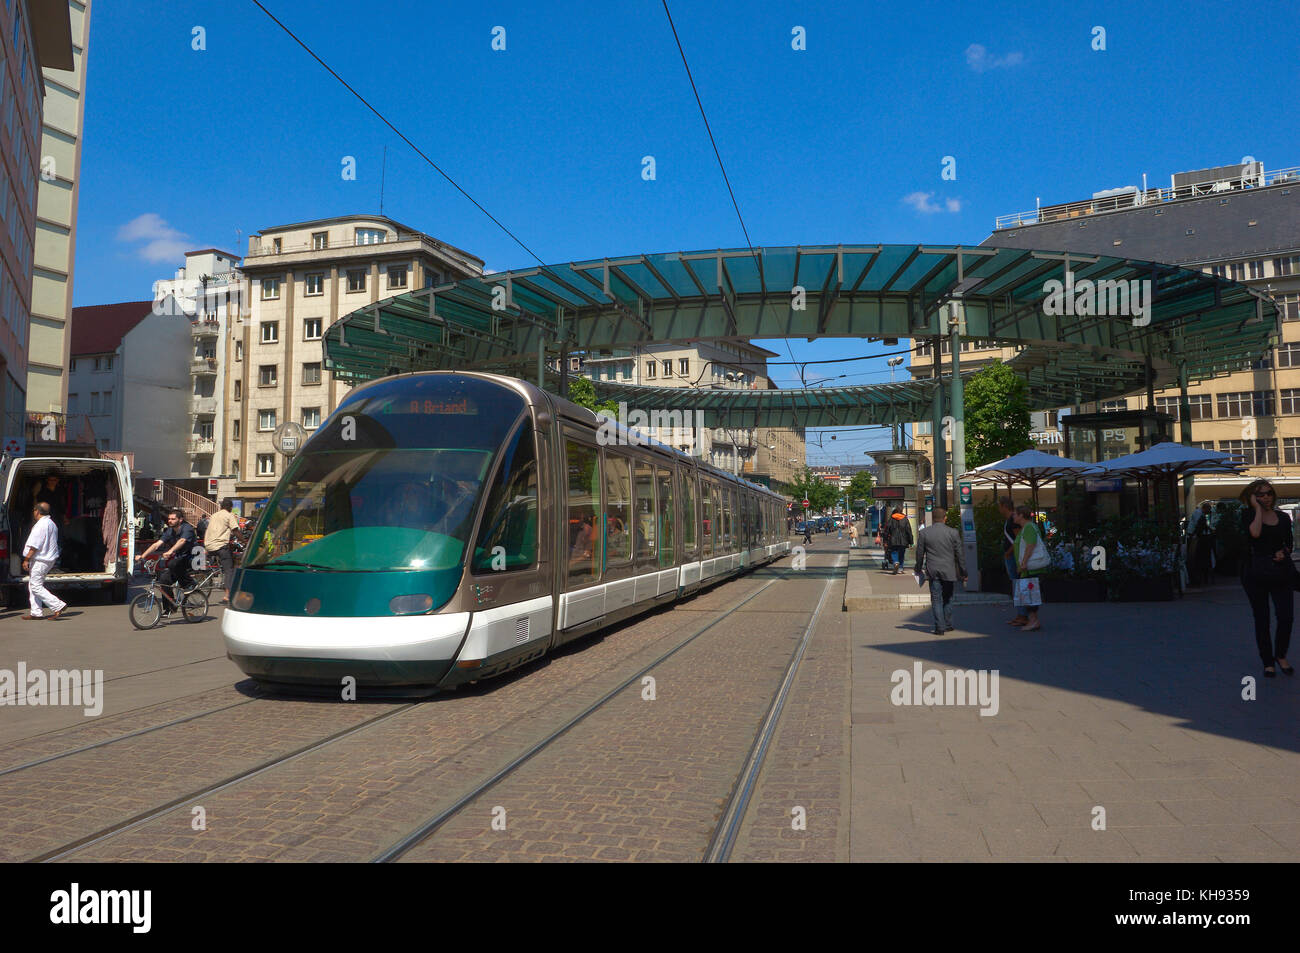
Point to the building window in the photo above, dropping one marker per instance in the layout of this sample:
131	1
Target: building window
1291	400
108	363
650	369
1168	405
356	279
370	236
266	420
1237	271
311	329
266	375
1286	266
1256	453
320	240
205	430
1110	406
316	284
73	401
1256	268
1288	355
684	366
271	287
668	368
266	464
1288	306
1263	362
234	430
94	402
310	418
311	373
97	367
397	276
1219	271
1291	449
1247	403
431	278
1202	406
234	467
239	350
270	332
626	372
277	245
239	390
73	366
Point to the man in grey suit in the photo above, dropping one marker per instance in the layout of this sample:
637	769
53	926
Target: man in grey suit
939	556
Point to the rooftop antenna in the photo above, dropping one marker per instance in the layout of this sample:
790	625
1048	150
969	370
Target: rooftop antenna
383	169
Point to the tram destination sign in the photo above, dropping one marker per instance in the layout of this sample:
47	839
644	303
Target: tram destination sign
889	492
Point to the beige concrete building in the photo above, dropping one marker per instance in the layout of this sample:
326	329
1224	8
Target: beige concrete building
36	43
765	454
301	279
56	221
1239	222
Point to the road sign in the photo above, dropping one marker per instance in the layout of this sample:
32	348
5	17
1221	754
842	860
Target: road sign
289	437
965	492
157	491
15	446
805	504
929	504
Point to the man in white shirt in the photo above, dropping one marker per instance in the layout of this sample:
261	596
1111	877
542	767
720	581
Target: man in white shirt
41	552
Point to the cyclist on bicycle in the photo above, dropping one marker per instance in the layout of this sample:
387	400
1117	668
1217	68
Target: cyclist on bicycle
177	542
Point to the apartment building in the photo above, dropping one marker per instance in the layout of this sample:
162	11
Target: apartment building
765	454
128	376
302	278
36	42
56	218
1239	222
206	297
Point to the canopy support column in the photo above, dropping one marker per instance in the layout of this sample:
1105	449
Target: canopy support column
958	401
1185	433
936	427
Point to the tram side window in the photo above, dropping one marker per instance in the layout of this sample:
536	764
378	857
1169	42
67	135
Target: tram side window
728	518
508	538
644	523
719	546
688	513
709	520
583	503
618	509
667	556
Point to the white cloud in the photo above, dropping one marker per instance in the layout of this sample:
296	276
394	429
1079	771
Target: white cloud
978	59
921	202
162	243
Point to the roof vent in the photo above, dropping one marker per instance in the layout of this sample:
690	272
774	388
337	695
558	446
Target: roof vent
1190	231
1252	223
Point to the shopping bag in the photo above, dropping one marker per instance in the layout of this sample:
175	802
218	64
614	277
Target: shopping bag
1028	592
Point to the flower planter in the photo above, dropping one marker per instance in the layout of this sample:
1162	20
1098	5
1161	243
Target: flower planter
1155	589
1069	589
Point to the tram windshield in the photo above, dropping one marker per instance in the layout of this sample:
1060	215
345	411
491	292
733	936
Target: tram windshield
391	481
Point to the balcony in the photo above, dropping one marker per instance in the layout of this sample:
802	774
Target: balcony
203	365
206	328
203	405
201	445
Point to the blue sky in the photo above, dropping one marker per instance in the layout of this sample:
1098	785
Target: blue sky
840	142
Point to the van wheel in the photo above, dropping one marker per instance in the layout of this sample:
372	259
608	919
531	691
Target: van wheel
119	592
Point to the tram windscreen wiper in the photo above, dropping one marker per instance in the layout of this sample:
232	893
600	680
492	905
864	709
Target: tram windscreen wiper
294	562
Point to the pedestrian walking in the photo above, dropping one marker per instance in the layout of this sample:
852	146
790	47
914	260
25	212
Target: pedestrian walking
939	558
217	540
1031	559
1202	534
807	531
1268	573
900	539
1009	530
40	553
853	535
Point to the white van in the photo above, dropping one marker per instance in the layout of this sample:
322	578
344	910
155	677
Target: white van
92	501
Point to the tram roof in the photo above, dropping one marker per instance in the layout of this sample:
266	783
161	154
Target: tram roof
497	322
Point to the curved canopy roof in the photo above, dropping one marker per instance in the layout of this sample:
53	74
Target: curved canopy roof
498	322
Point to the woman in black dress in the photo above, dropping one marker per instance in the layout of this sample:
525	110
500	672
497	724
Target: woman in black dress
1267	572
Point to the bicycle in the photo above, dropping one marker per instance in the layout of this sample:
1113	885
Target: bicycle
148	609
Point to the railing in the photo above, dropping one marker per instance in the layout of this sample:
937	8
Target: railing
201	446
266	248
203	365
1139	198
203	405
195	506
209	327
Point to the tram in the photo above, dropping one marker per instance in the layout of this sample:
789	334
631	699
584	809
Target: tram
445	527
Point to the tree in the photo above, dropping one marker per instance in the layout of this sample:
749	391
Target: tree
861	489
820	494
997	415
583	392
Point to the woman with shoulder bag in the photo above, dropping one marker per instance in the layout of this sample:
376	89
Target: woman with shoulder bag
1031	559
1267	573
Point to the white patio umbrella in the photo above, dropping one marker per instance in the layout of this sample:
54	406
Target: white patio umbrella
1033	467
1169	461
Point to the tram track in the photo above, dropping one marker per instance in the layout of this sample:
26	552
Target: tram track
724	835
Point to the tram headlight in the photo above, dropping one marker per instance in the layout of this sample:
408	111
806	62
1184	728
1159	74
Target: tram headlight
405	605
243	601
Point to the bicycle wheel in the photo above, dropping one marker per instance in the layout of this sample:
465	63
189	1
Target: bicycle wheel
145	610
194	605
